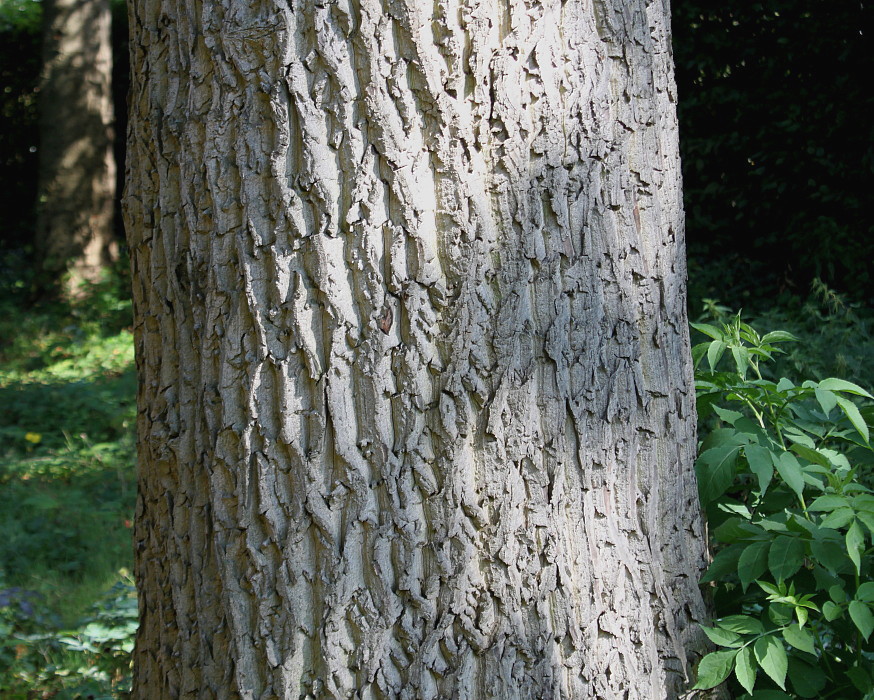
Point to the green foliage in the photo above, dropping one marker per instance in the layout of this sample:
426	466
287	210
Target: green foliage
89	659
784	472
66	492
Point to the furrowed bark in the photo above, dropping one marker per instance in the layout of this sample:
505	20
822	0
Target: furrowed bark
416	410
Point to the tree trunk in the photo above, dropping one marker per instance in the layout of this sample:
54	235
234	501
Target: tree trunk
75	231
416	409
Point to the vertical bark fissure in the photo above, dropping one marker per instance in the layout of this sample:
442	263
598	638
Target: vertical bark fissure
416	415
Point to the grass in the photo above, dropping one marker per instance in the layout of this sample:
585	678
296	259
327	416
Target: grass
67	489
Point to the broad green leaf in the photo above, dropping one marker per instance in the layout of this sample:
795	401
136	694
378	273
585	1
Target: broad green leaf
838	519
831	611
827	400
802	614
771	656
810	454
851	411
860	678
741	359
781	614
730	531
864	501
837	594
828	502
855	544
723	638
726	415
867	518
742	624
830	551
745	669
715	471
753	562
784	385
807	681
715	438
790	470
785	557
799	637
714	353
778	337
866	592
833	384
862	617
761	465
724	563
714	669
709	330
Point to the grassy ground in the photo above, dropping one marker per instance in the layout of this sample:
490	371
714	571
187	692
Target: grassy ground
67	488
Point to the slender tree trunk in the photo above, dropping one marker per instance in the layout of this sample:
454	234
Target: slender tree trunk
416	408
75	231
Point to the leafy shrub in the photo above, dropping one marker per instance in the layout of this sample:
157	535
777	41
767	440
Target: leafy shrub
91	659
782	474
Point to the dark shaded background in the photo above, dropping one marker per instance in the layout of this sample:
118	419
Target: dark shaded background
776	120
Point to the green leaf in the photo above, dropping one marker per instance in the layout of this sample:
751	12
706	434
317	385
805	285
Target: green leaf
831	611
741	359
724	563
833	384
862	617
745	669
810	454
771	656
722	637
851	411
860	678
799	638
778	337
867	518
714	353
827	400
837	594
715	471
838	519
728	416
866	592
761	464
709	330
753	562
742	624
714	669
785	557
855	544
828	502
807	681
830	552
790	471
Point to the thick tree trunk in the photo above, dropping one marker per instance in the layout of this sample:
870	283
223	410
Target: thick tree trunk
75	231
416	408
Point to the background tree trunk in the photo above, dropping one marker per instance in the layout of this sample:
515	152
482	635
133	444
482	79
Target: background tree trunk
416	405
75	231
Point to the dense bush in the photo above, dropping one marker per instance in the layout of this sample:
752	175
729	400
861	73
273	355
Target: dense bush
784	473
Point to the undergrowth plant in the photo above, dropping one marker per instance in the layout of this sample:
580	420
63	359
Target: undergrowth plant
784	473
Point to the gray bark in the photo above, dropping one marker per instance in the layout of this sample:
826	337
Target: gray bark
75	230
416	409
